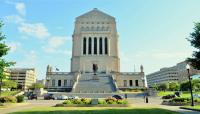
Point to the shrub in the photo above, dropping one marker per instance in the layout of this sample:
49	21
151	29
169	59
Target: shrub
67	102
8	99
86	101
77	101
122	102
20	98
180	100
102	101
170	96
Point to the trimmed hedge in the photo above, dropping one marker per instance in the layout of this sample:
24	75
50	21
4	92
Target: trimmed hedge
8	99
20	98
85	101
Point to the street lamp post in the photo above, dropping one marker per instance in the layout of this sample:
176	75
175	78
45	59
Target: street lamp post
188	70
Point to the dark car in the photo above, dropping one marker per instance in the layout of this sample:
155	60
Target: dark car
117	96
32	96
49	97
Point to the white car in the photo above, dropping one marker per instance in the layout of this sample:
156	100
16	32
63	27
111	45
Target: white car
196	96
62	97
73	97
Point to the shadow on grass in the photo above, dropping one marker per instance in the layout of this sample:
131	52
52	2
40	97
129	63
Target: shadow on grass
103	111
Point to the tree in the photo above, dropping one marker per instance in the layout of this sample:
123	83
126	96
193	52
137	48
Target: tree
3	51
9	84
155	86
37	86
195	85
195	42
174	86
163	86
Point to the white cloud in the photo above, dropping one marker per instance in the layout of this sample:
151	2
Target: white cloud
13	19
14	46
56	42
37	30
21	8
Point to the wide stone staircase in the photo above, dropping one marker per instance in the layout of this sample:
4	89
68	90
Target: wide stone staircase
90	83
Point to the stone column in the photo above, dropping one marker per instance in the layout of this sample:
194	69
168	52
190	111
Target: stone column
103	45
108	46
87	42
82	46
92	46
97	45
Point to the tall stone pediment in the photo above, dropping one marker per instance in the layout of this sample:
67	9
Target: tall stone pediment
95	14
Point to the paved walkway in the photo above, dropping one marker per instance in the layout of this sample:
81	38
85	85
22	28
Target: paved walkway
135	102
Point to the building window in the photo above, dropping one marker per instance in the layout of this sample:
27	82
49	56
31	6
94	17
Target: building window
53	83
125	83
84	45
71	82
100	45
106	46
59	83
90	46
65	83
95	45
131	82
136	83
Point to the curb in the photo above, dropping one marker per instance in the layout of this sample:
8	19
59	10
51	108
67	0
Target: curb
190	109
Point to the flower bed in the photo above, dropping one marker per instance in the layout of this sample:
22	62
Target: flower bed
83	102
180	101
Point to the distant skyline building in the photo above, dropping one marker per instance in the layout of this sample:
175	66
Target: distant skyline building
23	76
177	73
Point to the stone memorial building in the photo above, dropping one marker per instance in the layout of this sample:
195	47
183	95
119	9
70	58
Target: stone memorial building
95	62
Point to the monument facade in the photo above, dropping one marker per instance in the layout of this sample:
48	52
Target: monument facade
95	63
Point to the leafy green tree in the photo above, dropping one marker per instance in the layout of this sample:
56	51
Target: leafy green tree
163	86
37	86
8	84
155	86
3	51
184	86
195	42
174	86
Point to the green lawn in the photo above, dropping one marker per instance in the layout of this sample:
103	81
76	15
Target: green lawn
193	107
95	110
8	93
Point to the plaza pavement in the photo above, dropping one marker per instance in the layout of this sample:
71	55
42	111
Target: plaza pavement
154	102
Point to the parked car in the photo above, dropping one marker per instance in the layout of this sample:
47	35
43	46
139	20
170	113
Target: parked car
62	97
32	96
117	96
73	97
196	96
49	97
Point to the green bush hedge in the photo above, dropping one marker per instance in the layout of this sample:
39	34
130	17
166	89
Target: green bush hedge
100	101
183	100
8	99
20	98
78	101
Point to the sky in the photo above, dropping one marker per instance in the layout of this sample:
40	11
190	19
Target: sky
152	33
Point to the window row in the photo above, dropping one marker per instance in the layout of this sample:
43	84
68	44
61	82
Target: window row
95	46
95	23
130	83
94	28
62	83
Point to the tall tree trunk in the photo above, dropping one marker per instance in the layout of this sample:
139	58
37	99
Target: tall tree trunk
0	86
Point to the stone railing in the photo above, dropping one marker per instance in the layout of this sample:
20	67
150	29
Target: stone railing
76	81
114	82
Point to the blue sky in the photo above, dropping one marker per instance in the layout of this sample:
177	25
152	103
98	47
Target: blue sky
152	32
